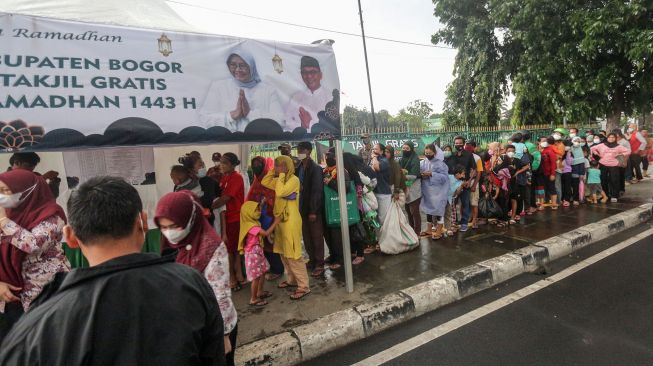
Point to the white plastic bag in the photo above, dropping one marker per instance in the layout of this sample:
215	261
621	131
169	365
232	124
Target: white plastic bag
396	235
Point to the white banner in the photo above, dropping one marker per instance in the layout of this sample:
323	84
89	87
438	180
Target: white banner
74	85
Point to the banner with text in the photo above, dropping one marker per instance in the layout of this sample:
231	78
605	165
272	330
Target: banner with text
75	85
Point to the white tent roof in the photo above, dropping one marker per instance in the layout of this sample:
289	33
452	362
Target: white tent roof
131	13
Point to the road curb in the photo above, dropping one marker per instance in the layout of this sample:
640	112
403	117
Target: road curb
341	328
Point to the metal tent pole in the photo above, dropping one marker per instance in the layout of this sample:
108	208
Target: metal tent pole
344	220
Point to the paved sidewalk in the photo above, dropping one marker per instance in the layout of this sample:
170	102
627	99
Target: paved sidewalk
383	274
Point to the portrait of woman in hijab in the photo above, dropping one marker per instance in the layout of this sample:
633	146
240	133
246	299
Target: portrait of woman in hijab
236	101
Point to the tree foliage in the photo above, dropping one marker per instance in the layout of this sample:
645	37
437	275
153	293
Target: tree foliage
578	59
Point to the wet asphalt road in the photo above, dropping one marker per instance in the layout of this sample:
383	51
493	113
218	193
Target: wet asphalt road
601	315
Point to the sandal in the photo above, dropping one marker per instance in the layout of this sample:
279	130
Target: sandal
554	207
334	266
512	222
502	224
265	295
258	303
369	250
271	276
449	233
358	260
317	272
299	294
424	234
286	284
235	288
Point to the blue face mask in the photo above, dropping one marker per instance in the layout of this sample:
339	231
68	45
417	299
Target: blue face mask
447	154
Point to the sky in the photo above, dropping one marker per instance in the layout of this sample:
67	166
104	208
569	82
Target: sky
399	73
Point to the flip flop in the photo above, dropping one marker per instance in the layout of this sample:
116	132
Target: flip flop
299	294
335	266
235	288
258	303
358	260
424	234
317	272
286	284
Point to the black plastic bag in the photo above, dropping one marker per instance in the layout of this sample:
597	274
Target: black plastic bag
489	208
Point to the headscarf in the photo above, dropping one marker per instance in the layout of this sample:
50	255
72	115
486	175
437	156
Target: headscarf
411	164
37	206
249	60
397	177
258	192
184	209
249	218
281	205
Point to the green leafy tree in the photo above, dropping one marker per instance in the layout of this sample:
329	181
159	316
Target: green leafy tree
474	97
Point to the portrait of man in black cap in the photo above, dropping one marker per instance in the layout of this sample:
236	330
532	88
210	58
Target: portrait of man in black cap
304	105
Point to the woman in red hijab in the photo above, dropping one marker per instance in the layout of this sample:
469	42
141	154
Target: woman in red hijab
185	229
31	229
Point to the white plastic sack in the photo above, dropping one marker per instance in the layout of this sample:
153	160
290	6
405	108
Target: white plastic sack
396	235
369	202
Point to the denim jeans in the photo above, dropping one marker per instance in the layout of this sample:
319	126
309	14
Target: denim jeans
465	206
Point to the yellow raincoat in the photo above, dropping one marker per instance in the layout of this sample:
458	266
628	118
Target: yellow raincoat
288	234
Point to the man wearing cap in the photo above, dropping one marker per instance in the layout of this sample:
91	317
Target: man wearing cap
304	106
311	204
365	152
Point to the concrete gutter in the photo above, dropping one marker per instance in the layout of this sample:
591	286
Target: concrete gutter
347	326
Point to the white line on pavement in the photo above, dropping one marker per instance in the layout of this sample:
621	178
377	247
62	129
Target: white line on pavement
440	330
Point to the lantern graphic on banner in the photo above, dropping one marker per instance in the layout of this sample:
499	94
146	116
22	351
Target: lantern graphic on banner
277	62
165	45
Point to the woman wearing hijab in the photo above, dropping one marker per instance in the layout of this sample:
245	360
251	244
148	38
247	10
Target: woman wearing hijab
179	217
31	227
234	102
410	165
209	189
435	189
265	196
288	234
609	163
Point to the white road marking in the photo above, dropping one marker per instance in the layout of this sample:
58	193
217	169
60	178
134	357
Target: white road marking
440	330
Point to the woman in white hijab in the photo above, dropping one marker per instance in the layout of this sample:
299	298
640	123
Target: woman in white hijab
234	102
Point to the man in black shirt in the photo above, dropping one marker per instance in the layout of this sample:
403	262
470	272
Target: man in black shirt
128	308
466	160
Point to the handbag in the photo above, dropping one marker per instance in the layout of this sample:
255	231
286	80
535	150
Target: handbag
332	207
357	233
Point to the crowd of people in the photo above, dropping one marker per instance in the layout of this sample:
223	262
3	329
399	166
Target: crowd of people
220	234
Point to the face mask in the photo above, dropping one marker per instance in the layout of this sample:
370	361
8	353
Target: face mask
405	154
567	148
257	169
557	137
366	141
301	156
216	164
201	173
447	154
576	144
430	157
572	135
331	162
590	137
544	144
459	147
582	144
511	154
176	235
13	200
630	130
597	141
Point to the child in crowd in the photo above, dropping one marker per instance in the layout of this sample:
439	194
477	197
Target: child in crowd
455	187
566	177
594	183
250	244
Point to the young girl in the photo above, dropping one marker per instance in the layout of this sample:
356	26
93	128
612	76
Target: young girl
594	183
250	243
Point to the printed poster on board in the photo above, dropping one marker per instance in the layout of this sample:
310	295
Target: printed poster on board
70	85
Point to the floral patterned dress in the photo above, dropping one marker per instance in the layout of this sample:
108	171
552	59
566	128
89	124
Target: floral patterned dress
255	263
217	273
45	255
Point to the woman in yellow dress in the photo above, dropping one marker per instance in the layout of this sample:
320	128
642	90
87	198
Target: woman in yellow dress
288	233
